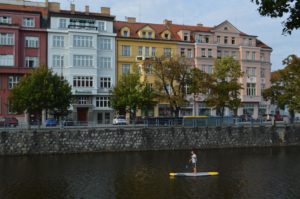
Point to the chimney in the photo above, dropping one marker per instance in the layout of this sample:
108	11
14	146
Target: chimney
87	10
72	8
199	24
167	22
46	3
105	10
55	7
130	19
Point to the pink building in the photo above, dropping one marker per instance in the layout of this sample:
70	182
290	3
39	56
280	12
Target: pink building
23	47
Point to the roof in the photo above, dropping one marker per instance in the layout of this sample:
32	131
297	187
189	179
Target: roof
78	14
173	28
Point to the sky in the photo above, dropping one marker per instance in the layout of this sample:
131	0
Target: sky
242	14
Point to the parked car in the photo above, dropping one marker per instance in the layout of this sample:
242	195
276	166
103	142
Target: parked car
9	121
51	122
118	120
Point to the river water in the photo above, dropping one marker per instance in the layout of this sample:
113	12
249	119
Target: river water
256	173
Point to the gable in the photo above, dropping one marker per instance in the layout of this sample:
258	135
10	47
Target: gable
226	26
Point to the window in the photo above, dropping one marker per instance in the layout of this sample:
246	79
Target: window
83	81
250	42
31	42
140	50
209	54
6	60
166	35
248	108
12	81
189	53
105	44
125	33
82	41
5	20
31	62
83	60
105	62
207	68
262	72
182	52
105	82
251	90
225	28
125	50
225	40
125	68
82	100
153	53
186	37
7	39
149	35
206	39
248	55
147	51
149	69
262	57
202	52
253	55
262	88
233	54
232	40
58	41
251	71
101	26
218	39
28	22
103	102
58	61
219	53
167	52
62	23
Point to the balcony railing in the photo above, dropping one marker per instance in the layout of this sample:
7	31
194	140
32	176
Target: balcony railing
247	98
83	27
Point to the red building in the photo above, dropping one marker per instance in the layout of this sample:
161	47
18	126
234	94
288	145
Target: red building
23	39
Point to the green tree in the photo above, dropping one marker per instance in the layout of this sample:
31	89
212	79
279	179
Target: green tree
285	89
39	90
171	80
225	86
130	94
275	8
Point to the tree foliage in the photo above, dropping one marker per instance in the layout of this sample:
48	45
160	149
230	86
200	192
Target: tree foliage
285	89
131	93
171	78
225	86
41	89
276	8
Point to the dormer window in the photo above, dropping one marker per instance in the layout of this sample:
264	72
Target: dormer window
125	33
144	34
166	36
150	35
186	37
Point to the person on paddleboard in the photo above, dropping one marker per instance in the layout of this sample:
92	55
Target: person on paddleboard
193	160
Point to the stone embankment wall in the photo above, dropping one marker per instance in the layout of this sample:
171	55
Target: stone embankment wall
48	141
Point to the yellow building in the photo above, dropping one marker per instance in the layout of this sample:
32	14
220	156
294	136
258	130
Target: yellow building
137	42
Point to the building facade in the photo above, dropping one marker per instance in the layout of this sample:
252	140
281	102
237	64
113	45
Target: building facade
81	48
23	38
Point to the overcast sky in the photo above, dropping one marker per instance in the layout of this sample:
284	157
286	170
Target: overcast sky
241	13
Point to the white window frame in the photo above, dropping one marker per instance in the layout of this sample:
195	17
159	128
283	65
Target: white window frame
105	62
83	60
13	80
82	41
251	89
83	81
251	71
102	26
32	42
6	19
103	102
105	44
167	52
209	52
57	61
58	41
105	82
62	23
31	62
153	51
7	60
7	39
28	22
125	68
126	50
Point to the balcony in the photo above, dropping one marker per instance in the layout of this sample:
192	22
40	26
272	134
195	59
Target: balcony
104	90
83	27
247	98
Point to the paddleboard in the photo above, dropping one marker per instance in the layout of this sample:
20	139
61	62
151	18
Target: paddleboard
211	173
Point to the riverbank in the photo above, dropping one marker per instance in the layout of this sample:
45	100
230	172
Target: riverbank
61	141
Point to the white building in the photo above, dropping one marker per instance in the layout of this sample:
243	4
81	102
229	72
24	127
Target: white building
81	48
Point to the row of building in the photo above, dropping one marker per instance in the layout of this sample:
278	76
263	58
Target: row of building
92	51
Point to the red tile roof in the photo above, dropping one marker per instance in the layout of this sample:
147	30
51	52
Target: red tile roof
173	28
